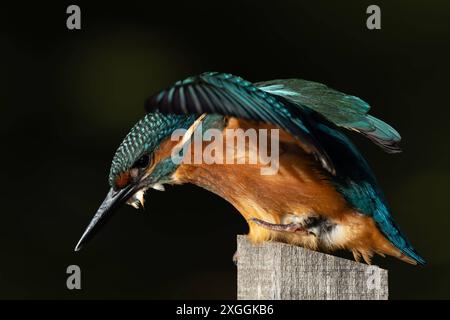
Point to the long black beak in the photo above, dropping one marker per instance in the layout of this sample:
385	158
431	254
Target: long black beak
113	200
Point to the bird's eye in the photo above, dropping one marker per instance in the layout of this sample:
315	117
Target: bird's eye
142	162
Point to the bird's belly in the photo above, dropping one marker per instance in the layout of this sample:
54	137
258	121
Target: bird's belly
296	193
325	230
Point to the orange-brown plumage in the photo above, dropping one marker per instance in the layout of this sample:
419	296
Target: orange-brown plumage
300	189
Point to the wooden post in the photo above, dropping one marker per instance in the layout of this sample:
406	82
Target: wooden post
278	271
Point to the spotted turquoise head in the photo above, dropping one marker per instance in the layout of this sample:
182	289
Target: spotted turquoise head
134	168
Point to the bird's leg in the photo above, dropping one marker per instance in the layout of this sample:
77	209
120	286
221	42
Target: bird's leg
290	227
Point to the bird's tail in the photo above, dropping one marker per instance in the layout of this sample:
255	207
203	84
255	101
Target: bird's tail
399	245
409	254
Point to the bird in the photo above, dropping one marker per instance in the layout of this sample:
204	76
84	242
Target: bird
324	195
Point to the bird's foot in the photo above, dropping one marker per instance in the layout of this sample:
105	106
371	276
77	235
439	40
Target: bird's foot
290	227
366	255
235	258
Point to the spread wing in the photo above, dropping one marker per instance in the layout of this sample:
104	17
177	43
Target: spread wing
343	110
225	94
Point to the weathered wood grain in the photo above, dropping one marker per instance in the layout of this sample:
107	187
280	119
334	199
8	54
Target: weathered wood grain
278	271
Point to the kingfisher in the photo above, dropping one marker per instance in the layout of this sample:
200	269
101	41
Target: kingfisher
324	196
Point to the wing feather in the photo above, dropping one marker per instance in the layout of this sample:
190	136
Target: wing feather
225	94
343	110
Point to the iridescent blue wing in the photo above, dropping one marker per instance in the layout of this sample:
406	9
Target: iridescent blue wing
343	110
225	94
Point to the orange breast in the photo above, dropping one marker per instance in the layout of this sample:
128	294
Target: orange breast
299	187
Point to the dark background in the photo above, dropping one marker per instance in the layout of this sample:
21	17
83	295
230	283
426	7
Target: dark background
69	97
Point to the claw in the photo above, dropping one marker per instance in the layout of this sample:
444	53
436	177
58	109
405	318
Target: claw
235	258
367	256
356	255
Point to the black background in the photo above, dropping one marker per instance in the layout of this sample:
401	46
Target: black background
69	97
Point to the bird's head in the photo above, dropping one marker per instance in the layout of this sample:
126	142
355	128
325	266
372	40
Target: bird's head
142	161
